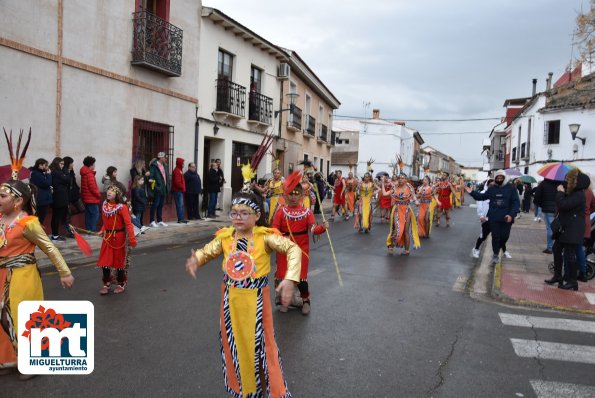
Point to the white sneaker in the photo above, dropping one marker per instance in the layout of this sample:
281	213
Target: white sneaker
507	254
475	253
535	219
144	228
538	219
162	224
154	224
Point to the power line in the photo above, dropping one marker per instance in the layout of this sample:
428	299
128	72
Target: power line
421	120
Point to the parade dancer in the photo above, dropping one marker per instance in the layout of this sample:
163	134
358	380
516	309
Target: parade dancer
251	359
296	222
20	280
385	202
427	205
308	192
350	188
274	191
339	196
118	234
444	189
403	225
365	191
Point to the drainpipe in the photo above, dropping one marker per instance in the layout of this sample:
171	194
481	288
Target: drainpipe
196	138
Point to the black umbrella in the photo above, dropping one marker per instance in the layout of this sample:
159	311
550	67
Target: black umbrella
382	174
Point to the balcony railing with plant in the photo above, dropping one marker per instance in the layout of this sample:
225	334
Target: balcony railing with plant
260	108
231	97
156	44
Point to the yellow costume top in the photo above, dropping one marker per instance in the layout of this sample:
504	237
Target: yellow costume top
276	187
265	240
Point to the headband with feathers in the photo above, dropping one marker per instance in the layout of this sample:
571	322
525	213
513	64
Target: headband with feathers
249	169
17	158
292	181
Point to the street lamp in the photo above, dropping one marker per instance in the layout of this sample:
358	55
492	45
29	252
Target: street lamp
574	127
292	98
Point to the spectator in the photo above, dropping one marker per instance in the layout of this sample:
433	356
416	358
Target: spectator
60	184
178	189
75	205
589	208
139	199
527	196
321	192
90	193
111	178
221	183
158	178
193	190
570	202
503	208
545	198
139	168
212	186
41	177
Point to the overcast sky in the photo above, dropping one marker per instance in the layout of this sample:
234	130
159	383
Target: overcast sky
422	59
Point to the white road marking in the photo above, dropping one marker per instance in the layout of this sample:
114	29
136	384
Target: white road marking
590	297
460	283
552	389
547	323
315	272
554	351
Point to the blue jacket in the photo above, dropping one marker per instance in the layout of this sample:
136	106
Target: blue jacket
193	182
43	182
139	199
504	201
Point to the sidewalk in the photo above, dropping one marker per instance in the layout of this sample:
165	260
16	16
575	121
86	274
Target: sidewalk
520	280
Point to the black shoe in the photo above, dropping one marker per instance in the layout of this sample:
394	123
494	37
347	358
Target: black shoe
569	286
582	277
219	209
182	221
555	279
547	251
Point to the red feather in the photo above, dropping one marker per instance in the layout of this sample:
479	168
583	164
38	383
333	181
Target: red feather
83	244
291	181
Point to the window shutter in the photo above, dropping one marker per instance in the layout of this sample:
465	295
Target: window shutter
545	133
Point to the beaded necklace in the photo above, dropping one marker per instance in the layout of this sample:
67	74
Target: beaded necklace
110	210
240	264
4	230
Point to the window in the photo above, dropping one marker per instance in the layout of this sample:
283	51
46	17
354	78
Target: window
308	105
321	165
255	80
150	138
552	132
159	8
514	153
305	157
225	66
328	167
523	154
344	141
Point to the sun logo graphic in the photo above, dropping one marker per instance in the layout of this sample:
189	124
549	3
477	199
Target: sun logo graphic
56	337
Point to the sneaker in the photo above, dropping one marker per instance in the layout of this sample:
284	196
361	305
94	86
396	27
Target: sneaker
154	224
162	224
548	251
475	253
119	289
58	238
495	260
535	219
104	290
538	219
182	221
306	308
143	228
507	254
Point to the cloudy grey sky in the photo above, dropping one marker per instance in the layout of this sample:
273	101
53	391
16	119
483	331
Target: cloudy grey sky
422	59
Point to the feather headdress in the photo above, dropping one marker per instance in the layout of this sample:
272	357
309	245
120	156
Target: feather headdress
292	181
427	166
249	169
17	158
369	164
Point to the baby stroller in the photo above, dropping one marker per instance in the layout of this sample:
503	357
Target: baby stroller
589	253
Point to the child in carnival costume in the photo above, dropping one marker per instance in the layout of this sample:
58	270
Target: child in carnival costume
251	359
118	235
296	222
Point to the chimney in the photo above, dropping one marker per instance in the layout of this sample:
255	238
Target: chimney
534	88
375	113
548	82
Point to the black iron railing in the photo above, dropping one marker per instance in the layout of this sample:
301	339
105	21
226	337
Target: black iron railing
323	132
295	118
156	44
260	108
310	127
333	137
231	97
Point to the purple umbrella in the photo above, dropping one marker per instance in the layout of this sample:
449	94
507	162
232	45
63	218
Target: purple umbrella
513	172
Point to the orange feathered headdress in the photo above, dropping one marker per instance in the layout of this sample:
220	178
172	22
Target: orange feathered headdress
17	158
292	181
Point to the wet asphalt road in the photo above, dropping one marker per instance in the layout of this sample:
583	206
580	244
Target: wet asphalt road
395	329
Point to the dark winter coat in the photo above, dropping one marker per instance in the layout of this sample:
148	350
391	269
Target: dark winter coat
43	182
545	196
504	201
193	182
74	191
212	183
178	183
60	183
139	199
161	186
571	213
89	191
589	208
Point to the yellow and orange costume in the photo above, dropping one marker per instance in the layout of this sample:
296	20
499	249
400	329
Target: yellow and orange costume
425	215
401	214
363	220
275	193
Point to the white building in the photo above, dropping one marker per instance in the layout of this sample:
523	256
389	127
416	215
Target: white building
112	79
540	133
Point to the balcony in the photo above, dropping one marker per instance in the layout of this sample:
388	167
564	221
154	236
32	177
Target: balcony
323	133
156	44
333	138
231	100
260	110
294	121
310	127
